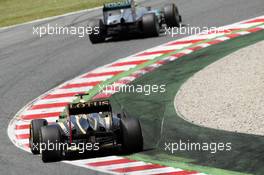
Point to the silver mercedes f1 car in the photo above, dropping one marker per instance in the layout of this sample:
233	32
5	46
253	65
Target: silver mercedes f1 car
124	17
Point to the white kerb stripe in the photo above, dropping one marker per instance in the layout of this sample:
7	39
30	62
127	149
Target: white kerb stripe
100	159
243	33
173	47
22	122
23	141
90	79
223	38
122	165
186	51
72	90
21	131
128	78
203	45
55	100
137	58
244	26
207	36
43	111
113	68
155	171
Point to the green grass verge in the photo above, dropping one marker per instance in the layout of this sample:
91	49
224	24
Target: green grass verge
17	11
183	163
245	157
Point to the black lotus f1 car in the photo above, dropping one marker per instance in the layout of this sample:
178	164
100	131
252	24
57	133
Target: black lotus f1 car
87	126
126	17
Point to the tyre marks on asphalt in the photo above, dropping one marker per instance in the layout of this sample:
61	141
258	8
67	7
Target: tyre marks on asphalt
51	104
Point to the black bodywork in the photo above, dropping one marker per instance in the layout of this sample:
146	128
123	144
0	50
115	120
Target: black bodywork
91	122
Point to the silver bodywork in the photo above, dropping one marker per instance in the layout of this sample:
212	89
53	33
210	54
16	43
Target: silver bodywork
128	15
127	20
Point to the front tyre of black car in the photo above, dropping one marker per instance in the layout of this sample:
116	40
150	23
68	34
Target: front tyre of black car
51	143
34	133
98	32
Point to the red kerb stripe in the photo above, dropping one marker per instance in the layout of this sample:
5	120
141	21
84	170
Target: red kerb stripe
255	20
22	136
138	168
111	162
21	127
254	30
186	42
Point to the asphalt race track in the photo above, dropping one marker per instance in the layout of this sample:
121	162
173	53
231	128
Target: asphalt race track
30	66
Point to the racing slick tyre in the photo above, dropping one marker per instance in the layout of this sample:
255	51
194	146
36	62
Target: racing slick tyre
172	16
34	133
150	25
98	32
131	135
51	139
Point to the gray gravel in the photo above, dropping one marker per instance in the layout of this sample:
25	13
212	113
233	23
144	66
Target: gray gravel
228	94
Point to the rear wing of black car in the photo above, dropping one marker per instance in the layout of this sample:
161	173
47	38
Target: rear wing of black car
89	107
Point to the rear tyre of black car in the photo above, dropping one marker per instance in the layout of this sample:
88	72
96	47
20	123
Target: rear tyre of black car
98	32
51	139
34	134
150	25
131	135
172	16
